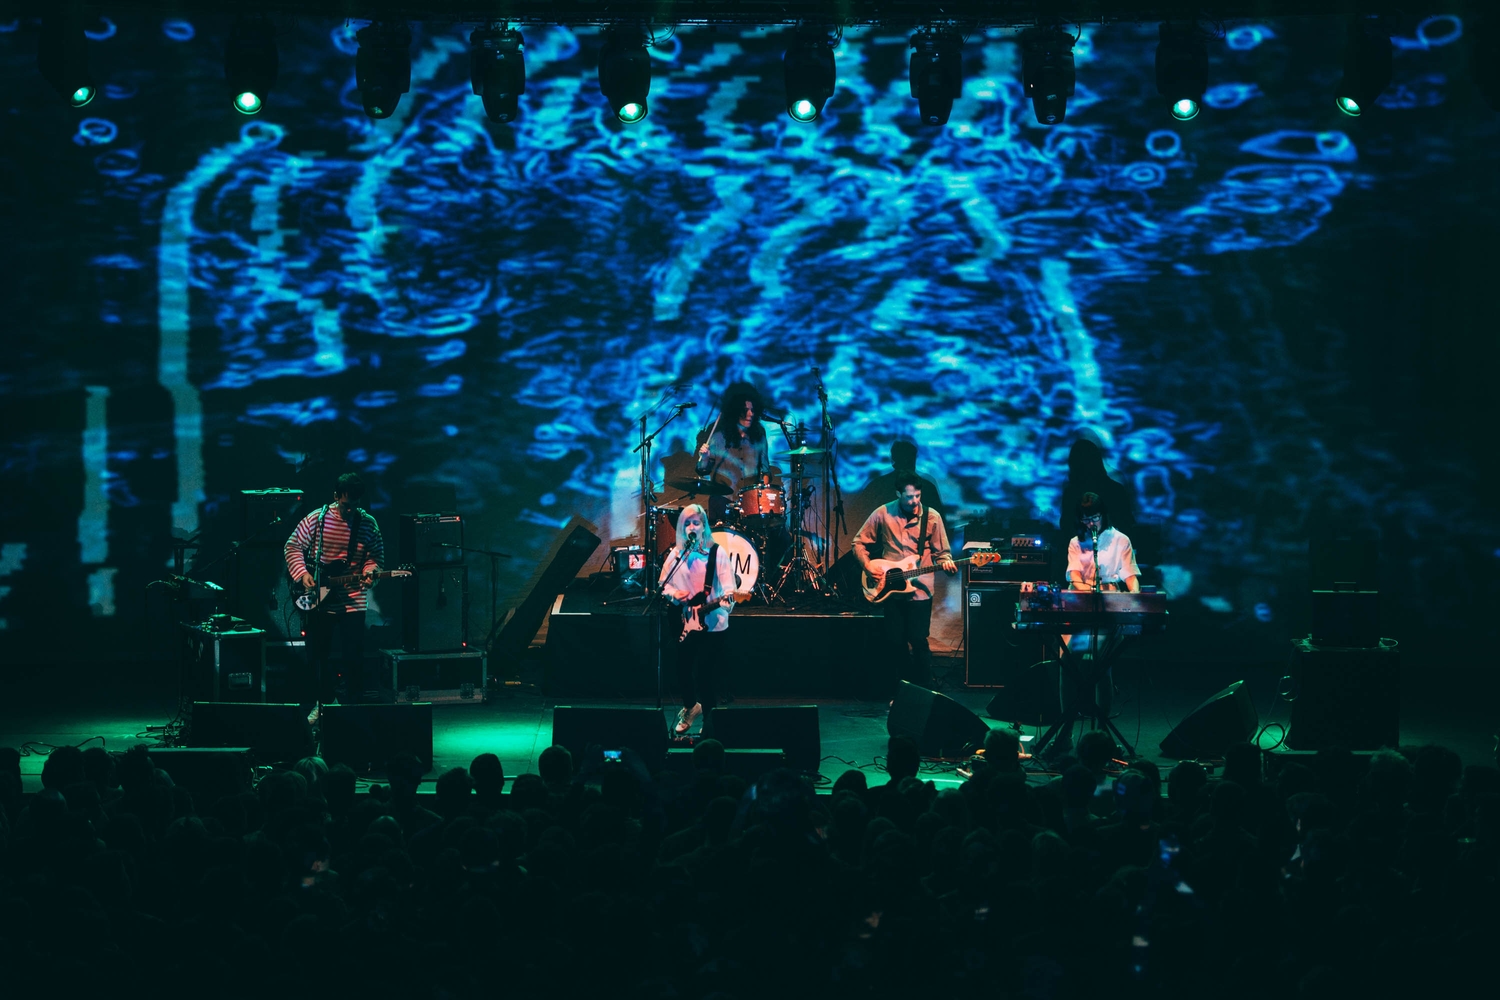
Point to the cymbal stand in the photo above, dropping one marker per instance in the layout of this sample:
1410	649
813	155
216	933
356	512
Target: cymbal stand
799	573
833	495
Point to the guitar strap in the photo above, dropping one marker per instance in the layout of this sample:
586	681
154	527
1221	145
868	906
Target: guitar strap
922	540
711	571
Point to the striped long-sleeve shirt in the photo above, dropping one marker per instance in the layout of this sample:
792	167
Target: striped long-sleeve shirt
328	527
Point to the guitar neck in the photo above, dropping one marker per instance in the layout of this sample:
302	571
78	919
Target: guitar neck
907	574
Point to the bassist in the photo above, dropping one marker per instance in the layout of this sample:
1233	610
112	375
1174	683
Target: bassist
902	528
337	539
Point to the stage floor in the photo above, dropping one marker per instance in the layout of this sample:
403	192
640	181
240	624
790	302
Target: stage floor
1450	708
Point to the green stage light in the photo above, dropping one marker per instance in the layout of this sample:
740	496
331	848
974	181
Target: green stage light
250	63
1182	67
809	73
1367	66
1185	110
625	72
63	60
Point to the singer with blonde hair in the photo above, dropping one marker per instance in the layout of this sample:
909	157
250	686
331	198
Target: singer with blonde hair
700	577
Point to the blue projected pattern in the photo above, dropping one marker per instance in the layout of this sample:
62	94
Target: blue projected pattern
441	298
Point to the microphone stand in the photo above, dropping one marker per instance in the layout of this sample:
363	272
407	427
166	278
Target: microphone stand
651	589
495	558
833	494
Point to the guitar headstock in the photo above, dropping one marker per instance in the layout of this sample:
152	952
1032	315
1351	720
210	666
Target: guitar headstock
405	569
983	557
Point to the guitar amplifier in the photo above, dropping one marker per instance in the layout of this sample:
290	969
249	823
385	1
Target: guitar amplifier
224	659
996	655
268	516
1025	557
432	539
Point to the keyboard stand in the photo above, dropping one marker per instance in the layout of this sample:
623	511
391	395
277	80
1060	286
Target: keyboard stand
1092	670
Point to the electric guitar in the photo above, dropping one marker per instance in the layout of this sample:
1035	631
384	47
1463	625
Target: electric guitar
330	582
893	576
692	618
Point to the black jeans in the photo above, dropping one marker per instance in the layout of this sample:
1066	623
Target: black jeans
907	623
698	659
1073	677
348	667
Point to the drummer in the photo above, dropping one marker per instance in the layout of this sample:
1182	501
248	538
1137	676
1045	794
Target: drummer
737	448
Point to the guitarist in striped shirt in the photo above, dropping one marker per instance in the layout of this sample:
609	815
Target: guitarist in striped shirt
337	539
897	530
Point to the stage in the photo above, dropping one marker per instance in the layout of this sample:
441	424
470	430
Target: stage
1441	703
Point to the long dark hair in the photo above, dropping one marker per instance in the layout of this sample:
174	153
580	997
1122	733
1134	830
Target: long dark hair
732	404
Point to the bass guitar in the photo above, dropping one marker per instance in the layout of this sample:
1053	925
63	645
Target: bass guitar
339	584
893	576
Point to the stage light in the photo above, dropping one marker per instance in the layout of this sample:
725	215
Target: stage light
382	66
1182	68
937	73
1047	73
809	74
1367	66
250	63
625	73
1484	59
63	60
497	70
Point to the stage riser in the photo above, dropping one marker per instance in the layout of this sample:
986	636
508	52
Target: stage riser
609	655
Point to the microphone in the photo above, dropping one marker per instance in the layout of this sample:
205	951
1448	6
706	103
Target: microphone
686	406
773	417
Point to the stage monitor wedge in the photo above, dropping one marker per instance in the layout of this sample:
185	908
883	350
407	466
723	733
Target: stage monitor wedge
940	726
275	733
640	728
366	737
1227	718
793	729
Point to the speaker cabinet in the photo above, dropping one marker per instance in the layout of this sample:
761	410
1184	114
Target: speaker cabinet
434	610
642	729
995	654
432	539
367	736
567	555
1345	697
273	733
940	726
792	729
1227	718
1030	696
224	664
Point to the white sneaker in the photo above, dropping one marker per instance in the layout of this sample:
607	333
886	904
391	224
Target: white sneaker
686	717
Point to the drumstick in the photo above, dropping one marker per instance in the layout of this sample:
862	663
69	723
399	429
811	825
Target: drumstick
715	427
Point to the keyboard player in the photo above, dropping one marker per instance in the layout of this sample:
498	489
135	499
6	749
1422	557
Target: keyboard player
1096	552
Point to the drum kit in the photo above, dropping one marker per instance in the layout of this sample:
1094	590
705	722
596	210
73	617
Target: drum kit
760	522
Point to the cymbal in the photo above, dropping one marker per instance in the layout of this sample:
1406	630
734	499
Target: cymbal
799	452
706	487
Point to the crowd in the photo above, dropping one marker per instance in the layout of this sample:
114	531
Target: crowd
1339	875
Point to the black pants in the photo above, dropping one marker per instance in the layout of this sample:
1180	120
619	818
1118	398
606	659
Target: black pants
348	667
1073	690
907	623
698	659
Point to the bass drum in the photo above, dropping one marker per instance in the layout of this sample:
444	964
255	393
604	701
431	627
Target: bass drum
746	560
666	531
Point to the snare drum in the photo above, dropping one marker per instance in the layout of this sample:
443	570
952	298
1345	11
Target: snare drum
761	503
746	560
